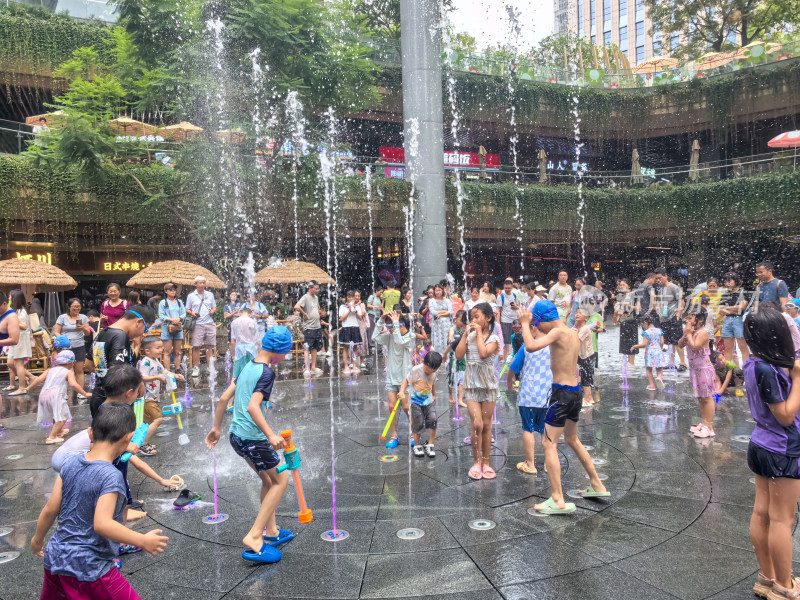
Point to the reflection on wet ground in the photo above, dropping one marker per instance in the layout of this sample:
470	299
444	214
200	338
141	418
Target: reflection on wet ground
676	524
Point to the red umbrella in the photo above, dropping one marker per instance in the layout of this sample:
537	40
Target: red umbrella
790	139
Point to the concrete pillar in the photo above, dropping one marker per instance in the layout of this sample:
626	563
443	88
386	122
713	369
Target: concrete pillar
421	46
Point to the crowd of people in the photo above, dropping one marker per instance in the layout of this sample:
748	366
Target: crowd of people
544	340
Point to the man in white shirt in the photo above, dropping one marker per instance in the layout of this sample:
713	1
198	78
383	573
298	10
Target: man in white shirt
561	295
508	303
201	305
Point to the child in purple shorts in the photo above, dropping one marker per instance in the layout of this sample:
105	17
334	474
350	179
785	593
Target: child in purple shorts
772	380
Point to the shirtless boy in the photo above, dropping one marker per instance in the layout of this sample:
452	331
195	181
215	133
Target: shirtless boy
565	403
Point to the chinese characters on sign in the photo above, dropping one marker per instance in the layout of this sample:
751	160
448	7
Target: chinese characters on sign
125	266
565	164
42	258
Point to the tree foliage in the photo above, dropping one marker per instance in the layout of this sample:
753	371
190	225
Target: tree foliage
718	25
555	49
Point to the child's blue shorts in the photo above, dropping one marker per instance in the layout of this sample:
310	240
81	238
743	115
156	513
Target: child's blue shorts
533	418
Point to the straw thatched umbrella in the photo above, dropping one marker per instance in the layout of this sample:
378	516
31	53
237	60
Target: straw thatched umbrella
128	126
52	118
293	271
177	133
33	276
232	137
636	168
655	64
694	161
542	166
175	271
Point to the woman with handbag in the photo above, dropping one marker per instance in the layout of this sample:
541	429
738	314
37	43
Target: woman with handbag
172	312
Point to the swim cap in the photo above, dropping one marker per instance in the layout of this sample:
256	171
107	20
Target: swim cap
277	340
794	302
64	357
60	342
544	311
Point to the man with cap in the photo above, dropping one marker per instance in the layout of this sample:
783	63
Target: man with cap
565	402
254	440
539	293
201	305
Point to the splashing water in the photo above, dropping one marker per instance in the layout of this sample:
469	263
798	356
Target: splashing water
368	188
294	112
326	166
454	126
516	30
581	206
212	387
187	397
411	171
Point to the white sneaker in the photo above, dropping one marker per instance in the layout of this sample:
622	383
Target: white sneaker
196	372
306	373
430	451
317	371
418	451
81	397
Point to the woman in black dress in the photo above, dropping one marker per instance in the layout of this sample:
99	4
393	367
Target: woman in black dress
625	317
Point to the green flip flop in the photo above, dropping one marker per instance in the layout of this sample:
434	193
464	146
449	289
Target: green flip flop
590	493
549	507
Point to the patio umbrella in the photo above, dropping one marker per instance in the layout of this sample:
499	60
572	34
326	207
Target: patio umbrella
694	161
129	126
177	133
33	276
768	48
293	271
636	168
52	117
542	166
655	64
712	60
175	271
789	139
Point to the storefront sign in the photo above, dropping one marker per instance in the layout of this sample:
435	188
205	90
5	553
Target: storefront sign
462	160
121	267
42	258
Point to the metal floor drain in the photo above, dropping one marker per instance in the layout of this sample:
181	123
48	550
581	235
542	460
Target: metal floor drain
162	434
335	535
214	519
618	417
619	408
599	461
388	458
588	448
482	524
600	476
740	438
574	494
410	533
5	530
14	457
8	556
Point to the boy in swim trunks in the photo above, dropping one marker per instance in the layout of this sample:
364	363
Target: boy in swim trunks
565	403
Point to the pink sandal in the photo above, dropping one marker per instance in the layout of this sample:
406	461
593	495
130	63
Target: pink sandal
489	473
475	473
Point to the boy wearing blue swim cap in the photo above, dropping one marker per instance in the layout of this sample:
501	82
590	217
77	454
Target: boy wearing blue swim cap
254	440
565	402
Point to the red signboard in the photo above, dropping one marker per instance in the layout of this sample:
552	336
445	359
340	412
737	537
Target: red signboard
462	160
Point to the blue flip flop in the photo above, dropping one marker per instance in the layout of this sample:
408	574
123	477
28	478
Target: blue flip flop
267	554
392	443
284	535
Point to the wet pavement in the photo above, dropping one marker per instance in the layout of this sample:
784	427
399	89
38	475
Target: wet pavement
676	525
